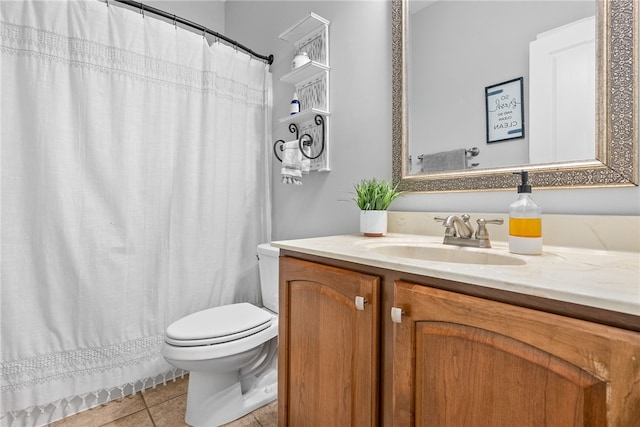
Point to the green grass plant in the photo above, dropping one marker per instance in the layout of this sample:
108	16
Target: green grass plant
375	195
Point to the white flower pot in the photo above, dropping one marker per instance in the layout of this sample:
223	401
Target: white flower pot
373	223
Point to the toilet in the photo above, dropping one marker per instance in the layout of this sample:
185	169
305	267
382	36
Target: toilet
230	352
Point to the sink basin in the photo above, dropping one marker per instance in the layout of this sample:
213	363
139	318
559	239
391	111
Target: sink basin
448	254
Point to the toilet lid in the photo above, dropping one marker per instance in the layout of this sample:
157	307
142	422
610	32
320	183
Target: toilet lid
217	325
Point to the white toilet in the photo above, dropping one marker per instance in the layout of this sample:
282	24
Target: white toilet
230	351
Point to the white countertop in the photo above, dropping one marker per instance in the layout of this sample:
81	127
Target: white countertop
603	279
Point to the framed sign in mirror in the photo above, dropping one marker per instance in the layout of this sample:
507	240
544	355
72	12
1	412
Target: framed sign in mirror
505	115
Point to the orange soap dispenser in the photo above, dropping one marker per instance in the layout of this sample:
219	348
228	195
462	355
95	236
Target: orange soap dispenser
525	221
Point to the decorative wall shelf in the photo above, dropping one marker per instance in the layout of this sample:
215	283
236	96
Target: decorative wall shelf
304	116
304	73
303	28
311	82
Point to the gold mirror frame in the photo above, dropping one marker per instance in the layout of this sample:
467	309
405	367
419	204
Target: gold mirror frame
616	162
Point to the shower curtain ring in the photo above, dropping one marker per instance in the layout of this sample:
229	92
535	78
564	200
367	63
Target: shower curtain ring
107	2
175	23
142	10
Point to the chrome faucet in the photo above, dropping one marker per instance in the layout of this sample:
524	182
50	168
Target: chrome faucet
457	226
459	231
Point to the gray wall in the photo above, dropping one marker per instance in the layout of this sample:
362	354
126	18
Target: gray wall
360	52
361	123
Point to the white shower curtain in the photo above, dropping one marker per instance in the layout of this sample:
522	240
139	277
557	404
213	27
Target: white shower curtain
135	188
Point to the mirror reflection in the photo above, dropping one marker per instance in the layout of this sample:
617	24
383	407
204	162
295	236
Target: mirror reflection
466	110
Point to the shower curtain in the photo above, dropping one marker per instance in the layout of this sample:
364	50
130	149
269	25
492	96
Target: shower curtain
135	188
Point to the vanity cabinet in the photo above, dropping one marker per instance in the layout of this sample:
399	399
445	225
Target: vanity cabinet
328	346
461	361
433	352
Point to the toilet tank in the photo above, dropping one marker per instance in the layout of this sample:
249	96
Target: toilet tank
268	264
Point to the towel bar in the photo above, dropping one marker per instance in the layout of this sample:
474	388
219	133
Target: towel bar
449	160
302	142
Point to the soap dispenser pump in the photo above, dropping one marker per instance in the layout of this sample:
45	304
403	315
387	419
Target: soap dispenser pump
525	221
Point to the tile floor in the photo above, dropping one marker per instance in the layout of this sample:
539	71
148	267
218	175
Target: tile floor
163	406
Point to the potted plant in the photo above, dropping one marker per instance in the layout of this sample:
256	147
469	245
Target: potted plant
373	197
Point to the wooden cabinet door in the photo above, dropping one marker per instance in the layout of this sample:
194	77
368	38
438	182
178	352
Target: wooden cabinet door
328	347
466	361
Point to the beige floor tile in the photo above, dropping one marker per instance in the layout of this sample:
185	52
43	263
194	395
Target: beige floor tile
162	393
267	416
246	421
103	414
139	419
170	413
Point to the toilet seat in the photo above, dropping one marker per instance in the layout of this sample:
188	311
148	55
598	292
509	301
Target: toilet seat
218	325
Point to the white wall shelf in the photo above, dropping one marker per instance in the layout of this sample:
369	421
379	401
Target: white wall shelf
311	83
304	116
304	27
303	73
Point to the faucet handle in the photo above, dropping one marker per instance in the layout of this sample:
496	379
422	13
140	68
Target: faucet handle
498	221
450	230
482	234
464	217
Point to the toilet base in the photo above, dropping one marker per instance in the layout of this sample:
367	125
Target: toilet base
214	399
227	405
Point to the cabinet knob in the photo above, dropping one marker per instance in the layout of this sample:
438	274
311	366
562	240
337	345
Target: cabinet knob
396	314
360	302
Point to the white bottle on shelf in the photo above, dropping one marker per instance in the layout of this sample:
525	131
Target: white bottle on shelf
295	104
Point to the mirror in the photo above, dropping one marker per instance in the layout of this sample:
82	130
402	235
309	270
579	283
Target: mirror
615	133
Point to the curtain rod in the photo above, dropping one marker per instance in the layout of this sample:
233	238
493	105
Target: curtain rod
176	19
